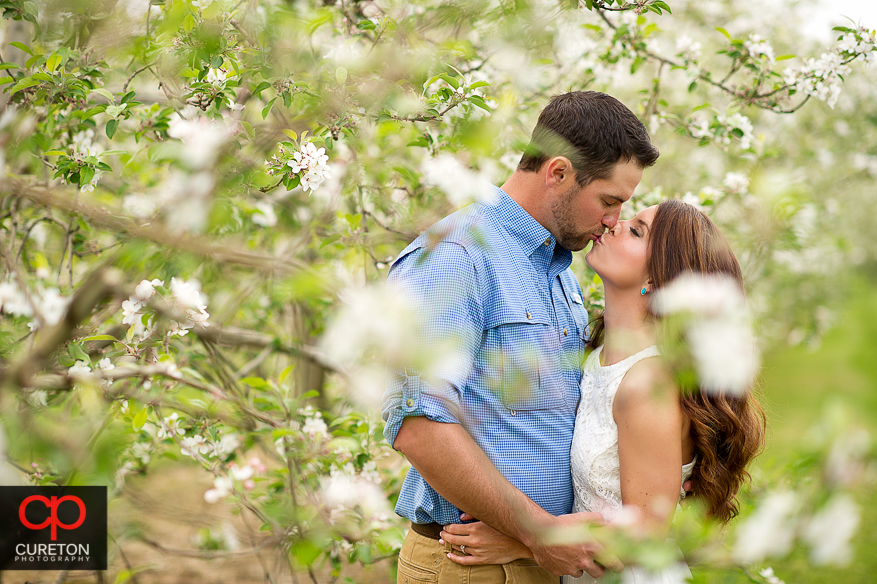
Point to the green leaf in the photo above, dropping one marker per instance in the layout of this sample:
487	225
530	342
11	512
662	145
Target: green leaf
260	88
113	152
216	62
724	32
291	133
785	57
140	419
23	47
77	353
103	92
112	126
23	84
53	62
285	373
85	175
267	109
478	84
255	382
450	80
9	66
189	23
5	80
662	6
341	75
55	153
98	338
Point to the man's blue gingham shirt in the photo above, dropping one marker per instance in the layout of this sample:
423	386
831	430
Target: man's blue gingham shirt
491	280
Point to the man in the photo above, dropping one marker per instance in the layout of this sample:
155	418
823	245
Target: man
490	435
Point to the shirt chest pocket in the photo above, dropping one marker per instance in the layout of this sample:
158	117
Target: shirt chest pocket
521	361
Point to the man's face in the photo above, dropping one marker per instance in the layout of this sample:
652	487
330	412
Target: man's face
581	214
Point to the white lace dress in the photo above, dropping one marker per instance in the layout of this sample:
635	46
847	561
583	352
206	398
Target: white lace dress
594	458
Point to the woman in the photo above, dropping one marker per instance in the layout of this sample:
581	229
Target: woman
634	430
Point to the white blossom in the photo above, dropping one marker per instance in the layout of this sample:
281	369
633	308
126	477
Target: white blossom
736	182
770	577
758	47
737	121
80	369
146	288
460	183
688	48
216	76
264	214
203	139
770	531
718	333
188	294
311	164
222	487
170	427
830	531
193	446
141	451
315	426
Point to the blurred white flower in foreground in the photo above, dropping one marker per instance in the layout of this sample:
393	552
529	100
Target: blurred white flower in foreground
460	183
345	490
830	530
770	531
718	334
203	139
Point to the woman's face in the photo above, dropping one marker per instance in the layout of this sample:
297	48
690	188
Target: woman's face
619	255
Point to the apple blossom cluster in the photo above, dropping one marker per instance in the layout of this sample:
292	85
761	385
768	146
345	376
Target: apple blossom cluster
722	128
821	78
46	306
717	332
223	486
304	165
185	296
687	48
81	147
760	49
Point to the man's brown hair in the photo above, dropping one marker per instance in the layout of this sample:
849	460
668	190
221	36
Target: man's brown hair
594	130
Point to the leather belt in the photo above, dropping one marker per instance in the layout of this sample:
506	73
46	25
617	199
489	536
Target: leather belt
430	530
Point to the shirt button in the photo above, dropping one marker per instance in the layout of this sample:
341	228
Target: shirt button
565	333
548	241
529	315
513	412
410	403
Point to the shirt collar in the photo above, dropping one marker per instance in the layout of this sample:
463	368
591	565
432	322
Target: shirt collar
528	232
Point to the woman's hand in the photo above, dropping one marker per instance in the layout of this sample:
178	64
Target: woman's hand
483	544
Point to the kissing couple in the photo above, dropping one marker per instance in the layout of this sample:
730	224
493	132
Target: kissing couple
558	419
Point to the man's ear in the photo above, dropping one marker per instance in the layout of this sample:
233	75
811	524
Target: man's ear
558	171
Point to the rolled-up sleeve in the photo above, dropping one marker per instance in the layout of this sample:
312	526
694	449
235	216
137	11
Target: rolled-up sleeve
443	282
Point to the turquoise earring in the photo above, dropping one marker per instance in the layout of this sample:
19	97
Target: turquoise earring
642	292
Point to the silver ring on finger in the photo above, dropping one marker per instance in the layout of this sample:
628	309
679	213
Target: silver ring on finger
463	549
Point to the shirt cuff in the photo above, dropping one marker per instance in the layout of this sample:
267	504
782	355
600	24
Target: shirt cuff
415	397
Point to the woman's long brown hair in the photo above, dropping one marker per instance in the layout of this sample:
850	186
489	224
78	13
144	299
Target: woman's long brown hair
727	430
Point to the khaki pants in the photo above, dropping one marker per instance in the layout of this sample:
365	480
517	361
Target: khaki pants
424	561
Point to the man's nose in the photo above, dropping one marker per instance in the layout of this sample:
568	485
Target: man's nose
610	221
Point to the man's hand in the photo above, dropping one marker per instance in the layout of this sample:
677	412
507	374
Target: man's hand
587	555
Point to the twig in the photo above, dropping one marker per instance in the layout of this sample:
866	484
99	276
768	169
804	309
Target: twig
205	555
116	221
135	74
